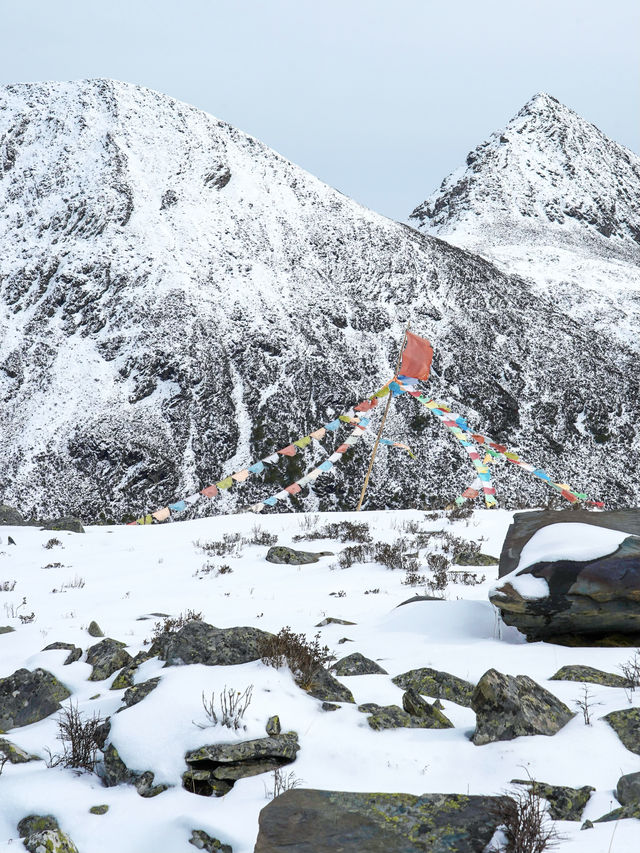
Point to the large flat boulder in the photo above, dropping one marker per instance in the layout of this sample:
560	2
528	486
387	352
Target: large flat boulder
310	821
26	697
556	595
437	684
199	642
510	706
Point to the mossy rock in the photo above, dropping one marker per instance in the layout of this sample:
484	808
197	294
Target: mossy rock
14	754
626	724
437	684
27	697
6	629
357	664
468	558
322	685
99	810
107	657
393	717
564	803
589	675
203	841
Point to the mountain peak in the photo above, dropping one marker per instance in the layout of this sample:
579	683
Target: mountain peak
548	175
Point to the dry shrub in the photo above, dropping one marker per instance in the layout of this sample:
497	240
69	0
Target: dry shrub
304	657
80	737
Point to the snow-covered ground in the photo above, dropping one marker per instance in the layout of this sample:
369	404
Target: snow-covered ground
131	572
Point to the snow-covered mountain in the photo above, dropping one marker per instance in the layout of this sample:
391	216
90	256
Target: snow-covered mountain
550	197
177	300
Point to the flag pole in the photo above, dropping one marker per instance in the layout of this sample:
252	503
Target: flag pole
384	417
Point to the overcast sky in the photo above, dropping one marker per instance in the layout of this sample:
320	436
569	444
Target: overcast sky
379	98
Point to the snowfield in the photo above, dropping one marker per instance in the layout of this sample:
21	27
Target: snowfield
132	572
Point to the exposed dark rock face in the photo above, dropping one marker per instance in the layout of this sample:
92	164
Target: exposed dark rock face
115	772
26	697
413	715
138	692
199	642
214	769
203	841
90	274
289	556
510	706
325	821
357	664
14	754
322	685
628	789
564	803
438	684
591	599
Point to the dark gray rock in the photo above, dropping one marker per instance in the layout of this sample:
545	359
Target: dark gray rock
106	658
26	697
330	706
630	811
626	724
308	821
628	789
564	803
357	664
592	600
199	642
415	598
65	522
203	841
288	556
273	726
6	629
393	717
10	516
332	620
14	754
416	706
437	684
589	675
115	772
125	678
94	629
214	769
138	692
322	685
510	706
75	653
103	808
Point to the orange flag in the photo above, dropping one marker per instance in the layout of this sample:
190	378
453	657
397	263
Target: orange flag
416	358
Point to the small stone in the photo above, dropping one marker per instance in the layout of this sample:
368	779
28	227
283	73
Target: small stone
203	841
329	706
14	754
273	725
103	809
344	640
587	825
357	664
288	556
27	697
438	704
11	540
6	629
138	692
331	620
94	629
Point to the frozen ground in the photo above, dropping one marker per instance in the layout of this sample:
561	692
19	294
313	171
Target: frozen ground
130	572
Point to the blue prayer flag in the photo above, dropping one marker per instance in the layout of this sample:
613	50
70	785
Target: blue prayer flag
180	506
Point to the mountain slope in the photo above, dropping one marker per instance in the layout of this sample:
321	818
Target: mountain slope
552	198
179	300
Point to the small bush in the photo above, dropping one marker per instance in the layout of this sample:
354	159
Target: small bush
7	586
262	537
354	554
232	706
171	624
439	566
80	738
466	578
397	555
53	566
304	657
525	822
339	594
465	510
231	543
372	591
224	570
342	531
413	578
631	672
282	782
52	543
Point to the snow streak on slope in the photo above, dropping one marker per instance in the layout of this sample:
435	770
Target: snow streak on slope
176	300
552	198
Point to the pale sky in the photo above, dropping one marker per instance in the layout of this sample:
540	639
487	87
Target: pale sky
379	98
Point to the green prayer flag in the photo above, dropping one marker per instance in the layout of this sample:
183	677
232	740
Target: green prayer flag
345	419
303	442
226	483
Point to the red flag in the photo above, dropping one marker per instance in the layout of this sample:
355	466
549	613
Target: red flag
416	358
366	405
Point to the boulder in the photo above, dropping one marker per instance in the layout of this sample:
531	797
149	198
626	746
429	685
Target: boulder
309	821
509	706
106	658
322	685
589	675
138	692
630	811
75	653
26	697
215	768
14	754
65	522
393	717
10	516
41	834
576	602
115	772
199	642
564	803
626	724
288	556
357	664
94	629
438	684
628	789
416	706
273	726
6	629
203	841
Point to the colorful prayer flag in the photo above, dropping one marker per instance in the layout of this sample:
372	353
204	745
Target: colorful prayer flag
416	358
180	506
161	514
210	492
289	450
318	433
225	484
258	468
303	442
241	476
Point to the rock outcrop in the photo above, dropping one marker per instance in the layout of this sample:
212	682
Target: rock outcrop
198	642
510	706
437	684
626	724
565	803
310	821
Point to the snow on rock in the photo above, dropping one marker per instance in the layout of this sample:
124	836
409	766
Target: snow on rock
177	300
